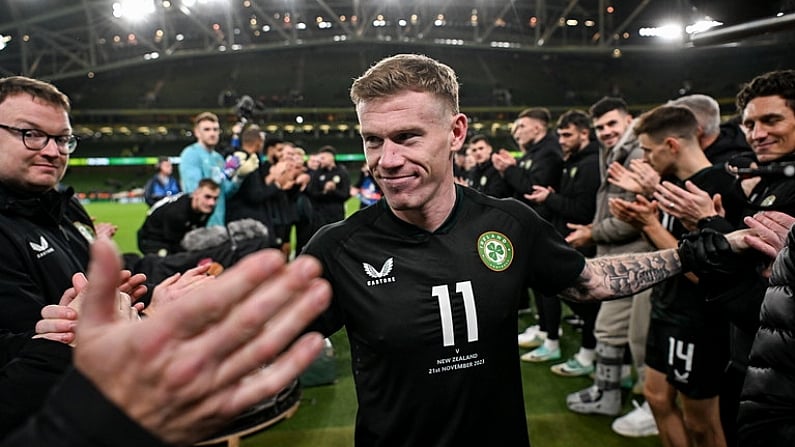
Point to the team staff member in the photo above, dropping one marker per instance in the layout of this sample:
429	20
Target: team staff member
44	235
428	280
171	218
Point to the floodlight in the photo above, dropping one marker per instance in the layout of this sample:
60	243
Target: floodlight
133	10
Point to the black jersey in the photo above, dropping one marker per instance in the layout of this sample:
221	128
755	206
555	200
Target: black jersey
678	300
166	224
431	317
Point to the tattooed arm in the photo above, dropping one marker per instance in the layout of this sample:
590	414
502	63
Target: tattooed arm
611	277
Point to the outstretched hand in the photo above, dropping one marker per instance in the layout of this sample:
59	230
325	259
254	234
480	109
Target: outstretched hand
770	229
190	368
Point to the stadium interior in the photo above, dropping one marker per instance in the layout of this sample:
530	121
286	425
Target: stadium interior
137	71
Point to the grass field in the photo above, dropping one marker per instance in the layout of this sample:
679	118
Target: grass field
327	413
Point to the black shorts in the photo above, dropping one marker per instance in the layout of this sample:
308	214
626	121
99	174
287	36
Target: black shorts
692	359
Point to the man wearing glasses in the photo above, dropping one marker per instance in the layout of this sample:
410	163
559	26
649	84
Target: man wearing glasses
44	233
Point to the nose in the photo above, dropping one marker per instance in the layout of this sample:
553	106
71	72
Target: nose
757	133
390	156
51	149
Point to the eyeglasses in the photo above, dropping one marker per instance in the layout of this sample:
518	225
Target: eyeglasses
36	140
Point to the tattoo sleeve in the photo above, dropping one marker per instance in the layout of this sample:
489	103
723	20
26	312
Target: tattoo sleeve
612	277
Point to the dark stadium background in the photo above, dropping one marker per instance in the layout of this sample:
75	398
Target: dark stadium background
134	91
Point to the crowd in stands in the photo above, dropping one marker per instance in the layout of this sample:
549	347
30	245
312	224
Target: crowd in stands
707	353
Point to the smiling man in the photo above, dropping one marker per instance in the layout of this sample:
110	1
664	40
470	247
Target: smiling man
427	281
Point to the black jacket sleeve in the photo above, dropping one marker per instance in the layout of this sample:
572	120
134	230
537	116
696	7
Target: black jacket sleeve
76	414
578	203
29	372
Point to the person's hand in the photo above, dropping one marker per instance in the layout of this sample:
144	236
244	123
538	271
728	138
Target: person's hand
502	159
105	229
640	178
688	205
539	194
647	176
580	235
640	214
770	229
622	177
132	285
708	252
282	174
176	286
329	186
59	321
185	372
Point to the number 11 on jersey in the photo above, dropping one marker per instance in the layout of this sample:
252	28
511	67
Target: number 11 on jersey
442	293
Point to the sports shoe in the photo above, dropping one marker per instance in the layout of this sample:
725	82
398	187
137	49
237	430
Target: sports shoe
592	400
572	368
637	423
541	354
532	337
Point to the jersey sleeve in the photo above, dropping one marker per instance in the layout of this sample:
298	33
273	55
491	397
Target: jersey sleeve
554	265
331	320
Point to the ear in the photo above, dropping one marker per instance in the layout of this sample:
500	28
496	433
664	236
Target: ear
673	144
458	133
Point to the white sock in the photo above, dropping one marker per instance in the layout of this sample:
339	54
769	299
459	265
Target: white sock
586	356
552	344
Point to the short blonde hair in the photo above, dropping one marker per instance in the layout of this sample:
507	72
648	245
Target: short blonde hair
205	116
403	72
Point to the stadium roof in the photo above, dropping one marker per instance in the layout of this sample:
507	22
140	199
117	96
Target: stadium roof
60	39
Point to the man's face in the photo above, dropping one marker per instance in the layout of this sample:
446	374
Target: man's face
166	168
207	133
326	160
409	138
611	126
526	130
204	199
657	154
572	139
481	151
770	127
20	167
313	163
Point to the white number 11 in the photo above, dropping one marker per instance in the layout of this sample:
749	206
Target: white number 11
442	293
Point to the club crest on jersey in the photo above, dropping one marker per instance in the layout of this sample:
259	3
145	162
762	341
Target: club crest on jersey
86	231
41	248
769	201
379	276
495	250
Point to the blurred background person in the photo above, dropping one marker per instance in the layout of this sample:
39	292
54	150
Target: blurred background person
161	184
